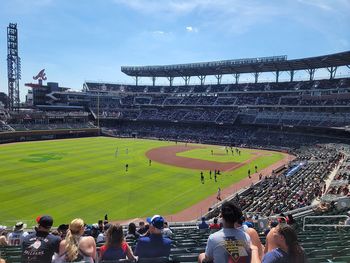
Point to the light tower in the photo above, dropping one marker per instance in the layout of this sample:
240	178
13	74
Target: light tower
13	67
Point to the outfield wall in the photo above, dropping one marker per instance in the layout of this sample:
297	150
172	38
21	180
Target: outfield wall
21	136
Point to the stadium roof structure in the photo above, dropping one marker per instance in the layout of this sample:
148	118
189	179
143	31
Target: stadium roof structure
236	67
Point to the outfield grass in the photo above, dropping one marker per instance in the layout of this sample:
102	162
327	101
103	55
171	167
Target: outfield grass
83	178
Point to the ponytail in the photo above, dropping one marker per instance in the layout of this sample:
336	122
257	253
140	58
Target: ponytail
72	239
295	251
72	246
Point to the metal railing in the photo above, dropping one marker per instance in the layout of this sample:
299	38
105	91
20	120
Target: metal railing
324	225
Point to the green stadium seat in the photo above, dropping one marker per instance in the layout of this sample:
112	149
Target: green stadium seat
187	244
344	251
154	260
197	250
341	258
179	251
118	261
14	259
186	258
322	253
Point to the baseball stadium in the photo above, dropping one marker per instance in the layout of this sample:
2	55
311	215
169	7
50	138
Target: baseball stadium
184	164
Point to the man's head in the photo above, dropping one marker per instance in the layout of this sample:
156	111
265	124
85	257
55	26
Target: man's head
156	224
44	222
19	226
2	230
62	230
141	224
230	213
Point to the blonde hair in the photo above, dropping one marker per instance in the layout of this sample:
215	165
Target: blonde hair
72	239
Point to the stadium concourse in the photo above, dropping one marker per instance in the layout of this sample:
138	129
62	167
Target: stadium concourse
309	119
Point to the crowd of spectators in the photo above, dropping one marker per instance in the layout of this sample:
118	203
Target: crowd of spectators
77	241
217	134
280	193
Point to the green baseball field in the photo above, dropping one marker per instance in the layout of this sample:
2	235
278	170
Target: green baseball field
124	178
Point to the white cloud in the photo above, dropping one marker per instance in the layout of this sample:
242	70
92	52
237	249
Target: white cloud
169	7
158	32
236	16
191	29
317	3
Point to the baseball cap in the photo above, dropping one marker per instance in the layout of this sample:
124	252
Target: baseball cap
248	224
45	221
19	226
157	221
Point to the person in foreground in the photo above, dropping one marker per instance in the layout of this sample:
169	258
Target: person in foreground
75	247
154	245
229	244
281	247
40	245
116	248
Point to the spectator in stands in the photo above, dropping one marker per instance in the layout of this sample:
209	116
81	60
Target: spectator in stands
116	248
281	246
102	236
76	247
3	240
100	226
95	230
215	225
40	245
203	224
142	228
62	230
15	238
132	233
155	245
229	243
253	234
166	230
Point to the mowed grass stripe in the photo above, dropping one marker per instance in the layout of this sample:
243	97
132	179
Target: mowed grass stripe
82	177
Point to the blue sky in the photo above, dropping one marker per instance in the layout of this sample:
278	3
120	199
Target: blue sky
78	40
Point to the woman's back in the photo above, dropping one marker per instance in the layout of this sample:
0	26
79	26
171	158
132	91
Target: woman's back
86	251
114	252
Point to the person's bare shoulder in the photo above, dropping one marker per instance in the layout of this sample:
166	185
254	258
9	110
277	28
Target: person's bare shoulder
89	240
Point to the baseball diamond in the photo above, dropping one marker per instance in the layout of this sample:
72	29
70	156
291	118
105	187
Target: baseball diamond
74	175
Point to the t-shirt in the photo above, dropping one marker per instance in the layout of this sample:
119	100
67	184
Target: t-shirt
16	238
229	245
39	247
276	255
100	238
153	246
167	232
113	253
